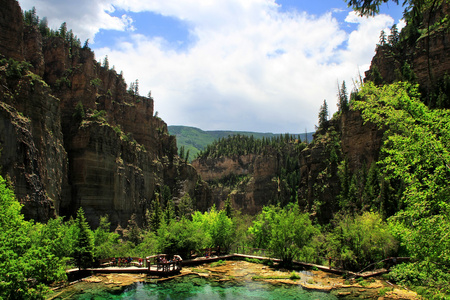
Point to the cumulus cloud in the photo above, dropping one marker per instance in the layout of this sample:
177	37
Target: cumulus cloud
251	67
84	17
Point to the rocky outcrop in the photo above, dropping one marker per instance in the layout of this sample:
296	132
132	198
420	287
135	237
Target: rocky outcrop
11	33
33	155
249	181
73	136
345	138
428	55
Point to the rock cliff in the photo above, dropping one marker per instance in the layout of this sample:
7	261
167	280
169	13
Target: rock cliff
263	173
249	181
422	53
72	135
346	138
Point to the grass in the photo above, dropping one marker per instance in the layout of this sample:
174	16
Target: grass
382	292
362	282
293	276
253	260
271	277
218	263
196	270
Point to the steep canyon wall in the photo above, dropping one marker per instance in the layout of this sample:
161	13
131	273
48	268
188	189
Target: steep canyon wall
72	135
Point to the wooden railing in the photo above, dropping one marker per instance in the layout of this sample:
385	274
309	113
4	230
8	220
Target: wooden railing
252	251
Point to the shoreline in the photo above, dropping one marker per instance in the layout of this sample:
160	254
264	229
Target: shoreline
244	271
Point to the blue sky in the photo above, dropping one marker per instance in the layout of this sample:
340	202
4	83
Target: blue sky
253	65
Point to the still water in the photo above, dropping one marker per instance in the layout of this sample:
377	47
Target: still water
194	287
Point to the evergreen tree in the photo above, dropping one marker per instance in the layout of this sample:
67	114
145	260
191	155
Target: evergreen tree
30	17
156	214
133	232
136	87
323	114
343	97
106	63
105	241
169	212
383	38
394	37
43	27
84	242
63	30
181	152
185	207
228	208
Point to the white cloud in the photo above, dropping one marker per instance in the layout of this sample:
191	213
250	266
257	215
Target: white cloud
251	67
84	17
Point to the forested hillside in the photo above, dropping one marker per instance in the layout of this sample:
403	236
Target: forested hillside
192	141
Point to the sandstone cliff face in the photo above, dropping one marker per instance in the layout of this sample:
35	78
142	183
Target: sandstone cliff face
254	180
110	155
11	33
32	144
345	138
429	55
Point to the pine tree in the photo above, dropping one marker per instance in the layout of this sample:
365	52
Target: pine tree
106	63
228	208
169	213
63	30
136	87
323	114
30	17
343	98
383	39
133	231
156	214
185	207
84	242
394	37
43	27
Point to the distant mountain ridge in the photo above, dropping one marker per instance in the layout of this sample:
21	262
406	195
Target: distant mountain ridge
195	140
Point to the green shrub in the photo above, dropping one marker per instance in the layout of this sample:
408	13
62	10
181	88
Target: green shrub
96	82
294	276
218	263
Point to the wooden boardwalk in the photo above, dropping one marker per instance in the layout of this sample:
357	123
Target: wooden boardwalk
153	270
171	270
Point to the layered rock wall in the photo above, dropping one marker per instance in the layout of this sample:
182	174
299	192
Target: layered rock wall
72	136
347	138
428	56
257	183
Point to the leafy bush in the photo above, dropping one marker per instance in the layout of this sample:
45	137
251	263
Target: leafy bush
294	276
286	232
25	264
359	241
15	69
96	82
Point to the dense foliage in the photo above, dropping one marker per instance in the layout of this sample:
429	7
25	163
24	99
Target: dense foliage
416	152
196	140
285	148
285	231
30	255
238	145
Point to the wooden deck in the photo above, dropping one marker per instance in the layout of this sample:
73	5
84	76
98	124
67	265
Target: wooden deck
153	270
171	270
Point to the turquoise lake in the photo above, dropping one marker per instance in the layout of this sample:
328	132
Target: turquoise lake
194	287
